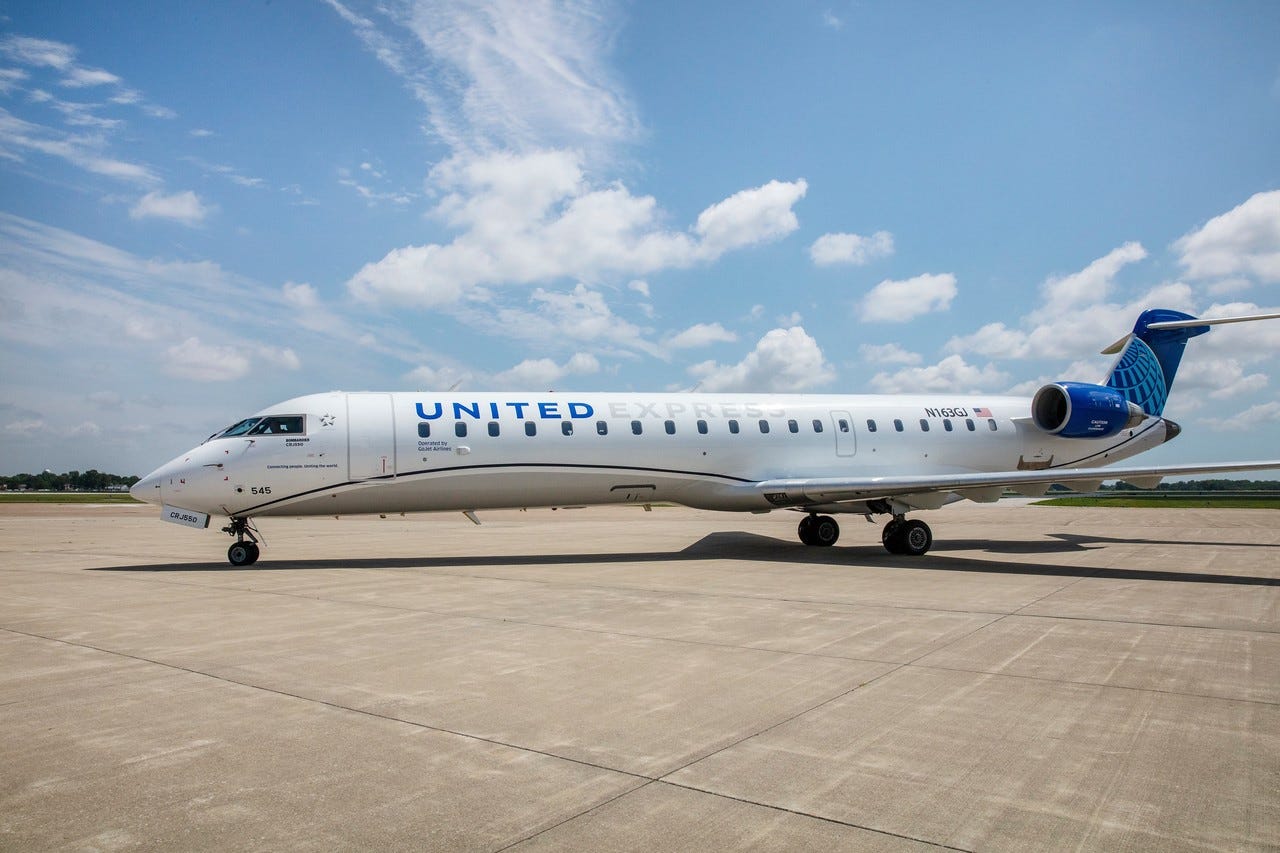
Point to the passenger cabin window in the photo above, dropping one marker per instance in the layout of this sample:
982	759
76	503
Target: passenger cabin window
793	426
924	425
992	424
602	427
670	427
844	425
530	428
279	425
817	425
764	425
493	428
566	427
871	425
702	427
968	423
897	424
424	430
946	424
637	427
733	426
460	429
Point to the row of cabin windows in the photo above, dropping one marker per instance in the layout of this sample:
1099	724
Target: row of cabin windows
924	425
637	428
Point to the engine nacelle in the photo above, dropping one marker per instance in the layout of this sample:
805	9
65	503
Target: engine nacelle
1081	410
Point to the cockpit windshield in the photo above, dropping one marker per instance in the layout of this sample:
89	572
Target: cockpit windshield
239	428
269	425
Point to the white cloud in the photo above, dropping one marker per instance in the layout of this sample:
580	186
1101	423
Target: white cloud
24	427
899	301
85	429
783	360
700	335
1261	415
300	295
1074	316
542	372
185	207
1092	283
850	248
1243	241
830	20
510	74
79	78
534	218
436	379
748	217
888	354
640	287
200	362
37	52
952	374
81	151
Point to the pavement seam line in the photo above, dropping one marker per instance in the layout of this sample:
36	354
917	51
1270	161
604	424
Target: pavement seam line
326	703
814	816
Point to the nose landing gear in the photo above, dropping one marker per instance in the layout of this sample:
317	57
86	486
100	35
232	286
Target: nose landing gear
242	552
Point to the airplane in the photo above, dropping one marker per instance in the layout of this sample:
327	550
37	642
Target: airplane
820	455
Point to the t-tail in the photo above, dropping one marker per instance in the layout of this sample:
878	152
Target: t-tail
1149	356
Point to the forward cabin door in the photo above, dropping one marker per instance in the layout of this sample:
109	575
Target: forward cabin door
371	436
842	426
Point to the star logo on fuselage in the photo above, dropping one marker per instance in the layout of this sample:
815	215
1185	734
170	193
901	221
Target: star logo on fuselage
326	420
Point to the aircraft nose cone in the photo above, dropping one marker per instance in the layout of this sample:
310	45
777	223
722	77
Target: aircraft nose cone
146	490
1171	430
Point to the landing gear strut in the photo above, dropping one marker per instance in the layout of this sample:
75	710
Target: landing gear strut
907	536
820	530
242	552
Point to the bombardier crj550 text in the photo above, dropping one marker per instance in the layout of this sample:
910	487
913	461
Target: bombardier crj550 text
819	455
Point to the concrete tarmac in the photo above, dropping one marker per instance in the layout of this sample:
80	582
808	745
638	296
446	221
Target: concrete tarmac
613	679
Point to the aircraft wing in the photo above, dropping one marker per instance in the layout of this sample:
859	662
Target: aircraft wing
931	490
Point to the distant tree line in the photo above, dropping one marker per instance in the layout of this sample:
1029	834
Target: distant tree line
1202	486
78	481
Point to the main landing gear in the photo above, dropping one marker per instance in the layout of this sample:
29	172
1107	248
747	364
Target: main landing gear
900	536
244	551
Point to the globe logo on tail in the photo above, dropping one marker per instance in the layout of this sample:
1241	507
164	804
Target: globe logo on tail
1138	376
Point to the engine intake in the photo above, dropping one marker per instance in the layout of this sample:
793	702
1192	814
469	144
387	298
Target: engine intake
1081	410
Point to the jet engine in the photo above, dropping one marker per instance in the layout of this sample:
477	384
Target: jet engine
1081	410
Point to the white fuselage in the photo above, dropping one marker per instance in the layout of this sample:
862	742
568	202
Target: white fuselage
371	452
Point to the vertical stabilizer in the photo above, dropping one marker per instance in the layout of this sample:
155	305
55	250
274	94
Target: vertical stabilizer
1145	369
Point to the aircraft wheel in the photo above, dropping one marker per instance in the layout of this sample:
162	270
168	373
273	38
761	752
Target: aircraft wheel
242	554
915	537
889	531
805	530
825	531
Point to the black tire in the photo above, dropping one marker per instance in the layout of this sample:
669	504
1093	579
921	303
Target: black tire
825	531
916	538
889	530
242	554
805	530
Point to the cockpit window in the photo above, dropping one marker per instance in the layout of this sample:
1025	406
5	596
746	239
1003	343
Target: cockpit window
239	428
279	425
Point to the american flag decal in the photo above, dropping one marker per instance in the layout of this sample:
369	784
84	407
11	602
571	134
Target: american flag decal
981	412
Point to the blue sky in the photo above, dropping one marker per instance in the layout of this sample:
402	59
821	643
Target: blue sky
208	208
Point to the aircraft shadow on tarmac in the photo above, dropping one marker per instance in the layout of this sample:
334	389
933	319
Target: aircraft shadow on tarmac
755	547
